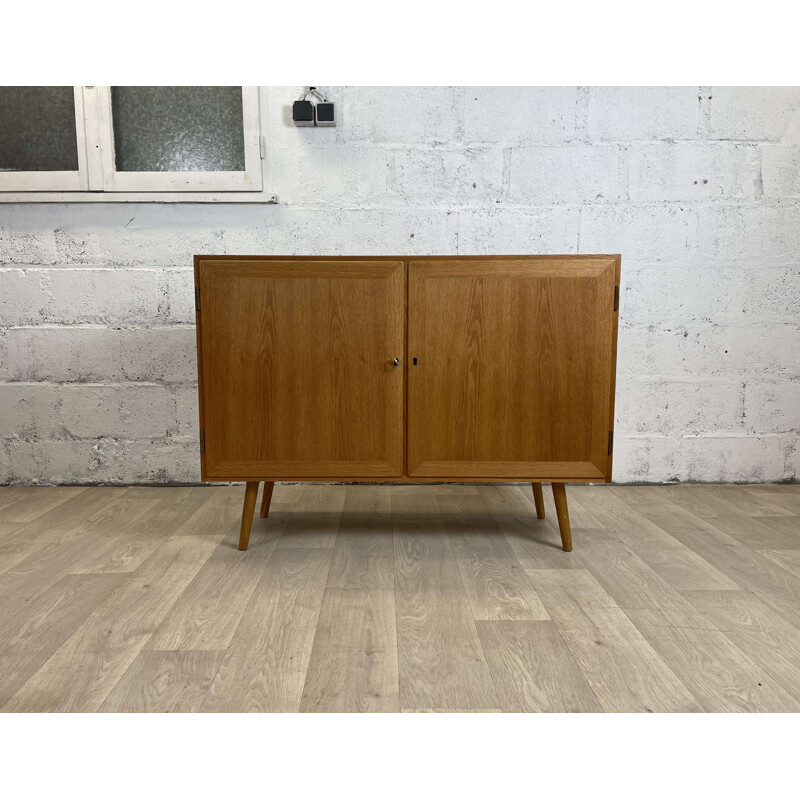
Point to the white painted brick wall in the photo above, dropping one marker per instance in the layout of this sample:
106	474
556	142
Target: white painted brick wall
697	187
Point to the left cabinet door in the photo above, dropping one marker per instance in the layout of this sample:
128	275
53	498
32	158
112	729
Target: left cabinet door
297	371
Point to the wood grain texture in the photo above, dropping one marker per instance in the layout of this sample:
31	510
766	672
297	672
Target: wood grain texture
207	613
82	672
302	367
363	557
29	637
788	559
516	380
495	583
264	668
788	525
622	668
442	664
762	635
621	511
533	670
165	681
353	664
774	586
26	503
137	599
538	500
536	543
562	513
312	519
266	498
297	373
248	509
125	548
708	663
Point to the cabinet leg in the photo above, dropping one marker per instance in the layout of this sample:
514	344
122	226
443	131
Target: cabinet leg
560	496
538	498
266	498
250	495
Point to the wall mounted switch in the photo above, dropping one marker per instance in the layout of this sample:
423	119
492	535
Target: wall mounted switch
303	113
326	115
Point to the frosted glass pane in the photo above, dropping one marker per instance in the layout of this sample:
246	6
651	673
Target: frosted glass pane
178	128
37	128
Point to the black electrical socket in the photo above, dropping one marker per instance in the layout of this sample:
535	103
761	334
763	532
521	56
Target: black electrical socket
326	114
303	113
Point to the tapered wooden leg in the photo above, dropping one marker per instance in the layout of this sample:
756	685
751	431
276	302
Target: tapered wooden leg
266	498
250	495
560	496
538	498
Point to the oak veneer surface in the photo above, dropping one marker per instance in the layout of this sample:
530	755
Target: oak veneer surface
297	376
411	598
509	372
515	363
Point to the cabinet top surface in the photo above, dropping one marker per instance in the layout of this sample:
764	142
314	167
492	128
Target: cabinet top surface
560	257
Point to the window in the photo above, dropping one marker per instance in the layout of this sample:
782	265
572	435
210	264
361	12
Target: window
130	139
42	146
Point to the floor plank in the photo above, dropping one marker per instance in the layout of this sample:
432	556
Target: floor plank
83	671
30	636
774	585
442	664
363	556
788	559
313	519
787	525
753	532
535	542
533	670
353	664
717	672
617	509
710	500
125	547
264	668
788	500
757	631
622	668
61	546
31	502
630	582
495	583
205	616
165	681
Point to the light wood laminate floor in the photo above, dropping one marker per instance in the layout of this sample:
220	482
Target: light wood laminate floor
403	598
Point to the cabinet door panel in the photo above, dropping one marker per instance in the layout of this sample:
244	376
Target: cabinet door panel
515	367
297	377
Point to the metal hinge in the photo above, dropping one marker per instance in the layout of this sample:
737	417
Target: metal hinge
202	441
616	298
262	146
610	442
196	298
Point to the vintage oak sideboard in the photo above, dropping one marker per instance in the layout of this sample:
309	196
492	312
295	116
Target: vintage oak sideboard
447	368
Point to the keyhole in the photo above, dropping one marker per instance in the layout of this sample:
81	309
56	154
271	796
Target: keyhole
415	362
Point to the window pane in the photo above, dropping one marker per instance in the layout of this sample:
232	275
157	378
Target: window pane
37	128
178	128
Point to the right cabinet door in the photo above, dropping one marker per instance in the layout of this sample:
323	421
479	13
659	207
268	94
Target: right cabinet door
511	367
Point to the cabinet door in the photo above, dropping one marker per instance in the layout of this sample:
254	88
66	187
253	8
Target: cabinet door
297	374
514	372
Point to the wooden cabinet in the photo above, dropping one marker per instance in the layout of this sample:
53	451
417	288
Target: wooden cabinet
425	369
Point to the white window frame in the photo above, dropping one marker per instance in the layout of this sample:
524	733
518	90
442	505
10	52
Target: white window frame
55	180
98	180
